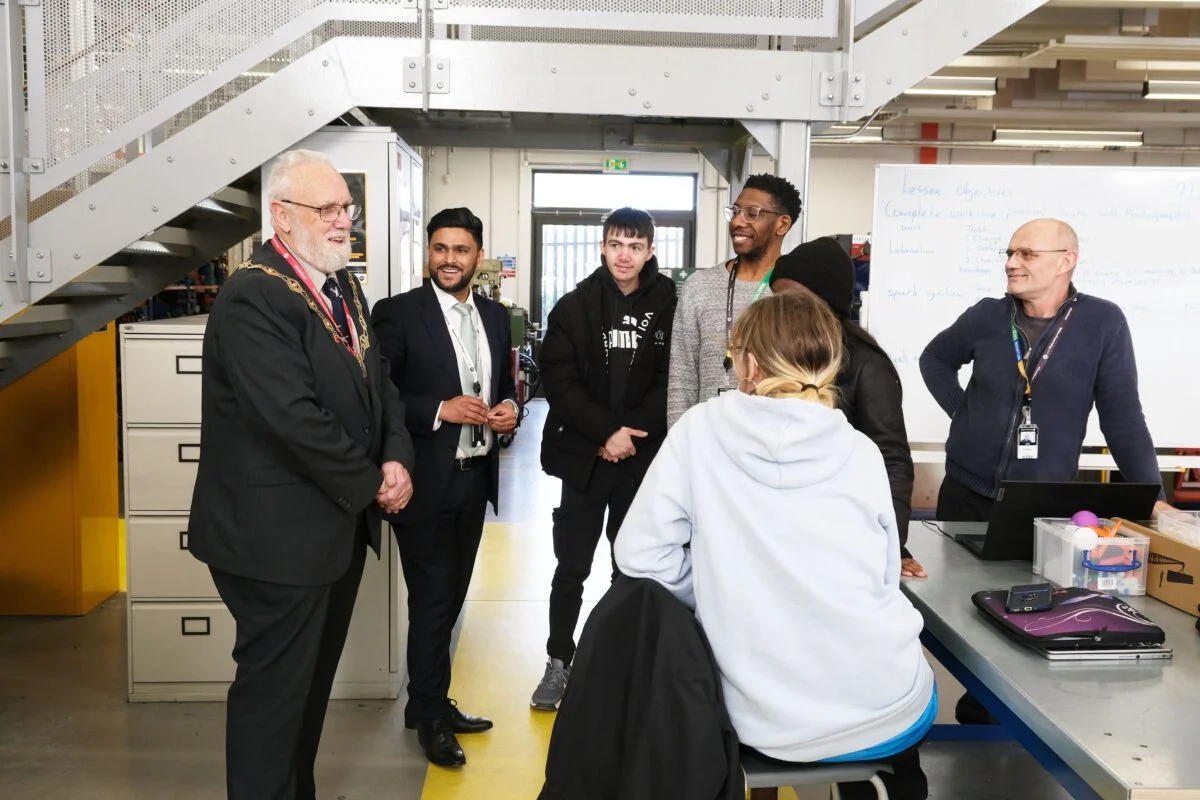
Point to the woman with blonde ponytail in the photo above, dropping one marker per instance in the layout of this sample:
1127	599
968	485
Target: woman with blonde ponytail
767	513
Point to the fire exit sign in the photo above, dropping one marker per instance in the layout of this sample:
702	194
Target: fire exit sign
616	165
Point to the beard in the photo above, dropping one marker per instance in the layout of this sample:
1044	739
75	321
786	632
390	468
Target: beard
463	281
325	256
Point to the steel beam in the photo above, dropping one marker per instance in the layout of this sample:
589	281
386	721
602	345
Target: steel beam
918	42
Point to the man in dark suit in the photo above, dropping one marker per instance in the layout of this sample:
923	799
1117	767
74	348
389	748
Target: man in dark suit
303	444
451	358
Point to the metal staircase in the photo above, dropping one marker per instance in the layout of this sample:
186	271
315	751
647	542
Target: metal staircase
133	129
126	279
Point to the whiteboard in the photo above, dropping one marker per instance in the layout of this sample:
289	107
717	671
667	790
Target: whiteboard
935	251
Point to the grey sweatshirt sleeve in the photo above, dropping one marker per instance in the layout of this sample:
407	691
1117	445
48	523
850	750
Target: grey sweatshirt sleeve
683	378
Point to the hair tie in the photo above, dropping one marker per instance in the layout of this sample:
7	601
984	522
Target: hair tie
804	387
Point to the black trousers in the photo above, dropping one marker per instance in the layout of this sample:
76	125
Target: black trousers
957	503
578	521
438	558
289	641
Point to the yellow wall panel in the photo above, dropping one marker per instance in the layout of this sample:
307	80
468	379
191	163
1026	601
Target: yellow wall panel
58	501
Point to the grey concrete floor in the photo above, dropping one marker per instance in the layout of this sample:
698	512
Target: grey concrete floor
68	733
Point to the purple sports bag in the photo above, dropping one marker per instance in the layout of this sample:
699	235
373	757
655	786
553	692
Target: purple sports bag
1080	618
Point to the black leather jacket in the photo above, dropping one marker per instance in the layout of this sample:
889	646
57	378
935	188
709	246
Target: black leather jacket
871	400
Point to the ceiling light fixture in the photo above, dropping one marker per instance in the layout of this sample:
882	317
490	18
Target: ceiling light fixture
1016	137
1171	90
955	86
871	133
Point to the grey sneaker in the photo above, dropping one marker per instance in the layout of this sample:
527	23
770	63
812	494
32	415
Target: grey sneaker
550	691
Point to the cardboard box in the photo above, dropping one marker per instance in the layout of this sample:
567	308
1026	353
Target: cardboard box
1174	569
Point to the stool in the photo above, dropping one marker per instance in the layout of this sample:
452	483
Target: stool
761	774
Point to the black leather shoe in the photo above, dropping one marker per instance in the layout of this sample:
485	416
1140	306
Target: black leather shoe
465	723
437	739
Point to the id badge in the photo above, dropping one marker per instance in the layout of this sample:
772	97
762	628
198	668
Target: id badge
1027	437
1027	442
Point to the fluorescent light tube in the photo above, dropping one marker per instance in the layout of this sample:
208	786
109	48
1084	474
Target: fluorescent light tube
953	85
1015	137
1171	90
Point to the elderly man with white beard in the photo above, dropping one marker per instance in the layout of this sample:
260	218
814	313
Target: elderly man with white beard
304	448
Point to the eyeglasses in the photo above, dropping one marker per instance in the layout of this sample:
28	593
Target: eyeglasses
330	211
749	212
1025	254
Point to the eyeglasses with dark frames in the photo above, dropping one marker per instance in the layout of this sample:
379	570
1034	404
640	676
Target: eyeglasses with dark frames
331	211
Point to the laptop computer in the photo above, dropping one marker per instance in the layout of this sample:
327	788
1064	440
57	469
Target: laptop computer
1107	654
1009	534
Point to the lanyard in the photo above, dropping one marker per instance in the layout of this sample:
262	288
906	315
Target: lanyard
1021	366
461	350
302	273
762	285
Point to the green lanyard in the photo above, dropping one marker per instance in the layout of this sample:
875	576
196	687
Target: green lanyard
762	286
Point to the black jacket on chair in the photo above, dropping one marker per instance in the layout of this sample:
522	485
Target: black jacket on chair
578	383
643	717
414	338
871	399
292	431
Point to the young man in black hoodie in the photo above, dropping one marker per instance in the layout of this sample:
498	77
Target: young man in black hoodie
604	366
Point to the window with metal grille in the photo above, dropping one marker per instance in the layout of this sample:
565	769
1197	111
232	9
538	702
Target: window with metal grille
568	223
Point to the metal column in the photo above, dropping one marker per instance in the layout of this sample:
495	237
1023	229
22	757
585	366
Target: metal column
792	162
12	163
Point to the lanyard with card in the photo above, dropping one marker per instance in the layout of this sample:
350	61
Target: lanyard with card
729	293
468	360
1027	431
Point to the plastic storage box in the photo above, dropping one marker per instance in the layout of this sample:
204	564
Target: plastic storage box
1183	525
1067	555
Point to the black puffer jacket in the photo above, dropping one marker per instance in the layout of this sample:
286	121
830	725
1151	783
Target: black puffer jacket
575	376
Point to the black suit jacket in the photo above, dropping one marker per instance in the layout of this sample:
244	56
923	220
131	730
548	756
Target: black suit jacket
414	338
292	431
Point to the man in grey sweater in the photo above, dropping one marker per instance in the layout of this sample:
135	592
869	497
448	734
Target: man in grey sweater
711	299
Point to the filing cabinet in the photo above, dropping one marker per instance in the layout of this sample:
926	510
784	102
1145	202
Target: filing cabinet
180	635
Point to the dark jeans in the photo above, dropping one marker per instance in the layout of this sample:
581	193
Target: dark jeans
957	503
578	521
438	558
906	782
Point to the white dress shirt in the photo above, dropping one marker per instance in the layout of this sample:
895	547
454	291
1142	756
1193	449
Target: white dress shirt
483	367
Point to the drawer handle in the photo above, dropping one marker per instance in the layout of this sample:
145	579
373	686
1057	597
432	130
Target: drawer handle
183	540
193	451
188	365
195	626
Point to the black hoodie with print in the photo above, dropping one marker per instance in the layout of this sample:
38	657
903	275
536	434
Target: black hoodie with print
604	364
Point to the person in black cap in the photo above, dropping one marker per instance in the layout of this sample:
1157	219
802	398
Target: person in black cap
868	386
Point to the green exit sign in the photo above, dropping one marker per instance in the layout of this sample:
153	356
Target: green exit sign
616	165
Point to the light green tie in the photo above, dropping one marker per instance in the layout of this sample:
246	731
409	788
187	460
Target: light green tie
466	336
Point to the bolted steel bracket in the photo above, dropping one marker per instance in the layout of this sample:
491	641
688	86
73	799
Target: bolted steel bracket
414	74
439	5
439	76
38	262
832	85
34	164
